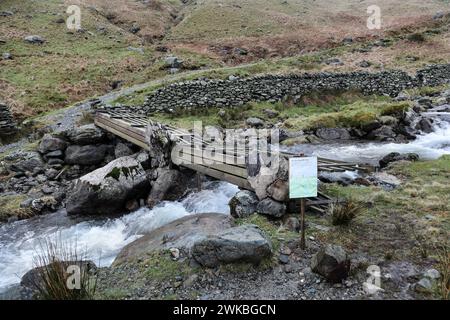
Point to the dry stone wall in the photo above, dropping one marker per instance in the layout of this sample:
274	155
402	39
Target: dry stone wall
235	92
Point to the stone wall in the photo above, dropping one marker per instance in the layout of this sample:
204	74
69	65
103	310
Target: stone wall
235	92
7	123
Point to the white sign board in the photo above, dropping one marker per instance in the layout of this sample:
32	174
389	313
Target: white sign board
302	177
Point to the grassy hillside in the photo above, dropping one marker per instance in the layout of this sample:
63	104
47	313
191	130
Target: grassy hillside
69	66
124	42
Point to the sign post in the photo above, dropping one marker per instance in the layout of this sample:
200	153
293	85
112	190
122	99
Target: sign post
302	184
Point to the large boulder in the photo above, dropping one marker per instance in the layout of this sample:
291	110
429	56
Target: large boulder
87	134
122	150
86	155
384	133
107	189
180	234
333	134
245	243
271	208
243	204
395	156
50	143
27	161
167	186
331	262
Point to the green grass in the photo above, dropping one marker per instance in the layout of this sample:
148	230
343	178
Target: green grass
160	266
71	66
314	111
10	206
424	192
276	233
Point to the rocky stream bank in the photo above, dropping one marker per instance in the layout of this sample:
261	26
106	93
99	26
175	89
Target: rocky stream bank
85	172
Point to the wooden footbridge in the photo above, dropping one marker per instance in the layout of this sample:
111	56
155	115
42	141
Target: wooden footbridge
225	166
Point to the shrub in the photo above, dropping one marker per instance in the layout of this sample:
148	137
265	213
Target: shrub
342	213
396	108
416	37
54	276
443	258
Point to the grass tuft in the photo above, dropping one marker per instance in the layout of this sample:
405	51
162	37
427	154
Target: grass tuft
63	273
342	213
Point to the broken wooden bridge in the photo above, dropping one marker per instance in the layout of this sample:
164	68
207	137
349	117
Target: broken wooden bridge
132	127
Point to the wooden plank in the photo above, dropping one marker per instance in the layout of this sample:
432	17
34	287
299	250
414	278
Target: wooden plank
123	135
123	124
125	131
222	158
238	181
230	169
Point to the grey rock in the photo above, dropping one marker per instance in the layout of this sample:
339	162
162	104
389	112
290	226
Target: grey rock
383	133
347	40
283	258
331	262
183	233
364	64
85	155
292	224
167	186
271	113
34	39
87	134
173	62
245	243
334	62
51	173
54	154
138	50
107	189
46	203
122	150
395	156
425	125
402	96
135	29
423	286
26	162
432	274
33	279
438	15
255	122
271	208
7	56
333	134
6	13
26	203
50	143
243	204
55	161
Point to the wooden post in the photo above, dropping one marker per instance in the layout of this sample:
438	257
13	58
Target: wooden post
302	223
199	182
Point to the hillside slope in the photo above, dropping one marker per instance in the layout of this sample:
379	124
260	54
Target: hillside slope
124	42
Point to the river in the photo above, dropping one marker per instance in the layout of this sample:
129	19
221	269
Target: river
103	238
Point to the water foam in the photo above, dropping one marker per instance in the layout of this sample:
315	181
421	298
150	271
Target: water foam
100	239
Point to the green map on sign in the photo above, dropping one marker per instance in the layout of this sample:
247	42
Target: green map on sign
303	188
302	177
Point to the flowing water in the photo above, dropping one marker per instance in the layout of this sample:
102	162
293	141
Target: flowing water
427	146
100	239
103	238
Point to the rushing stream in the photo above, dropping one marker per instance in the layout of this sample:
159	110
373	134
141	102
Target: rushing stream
427	146
103	238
